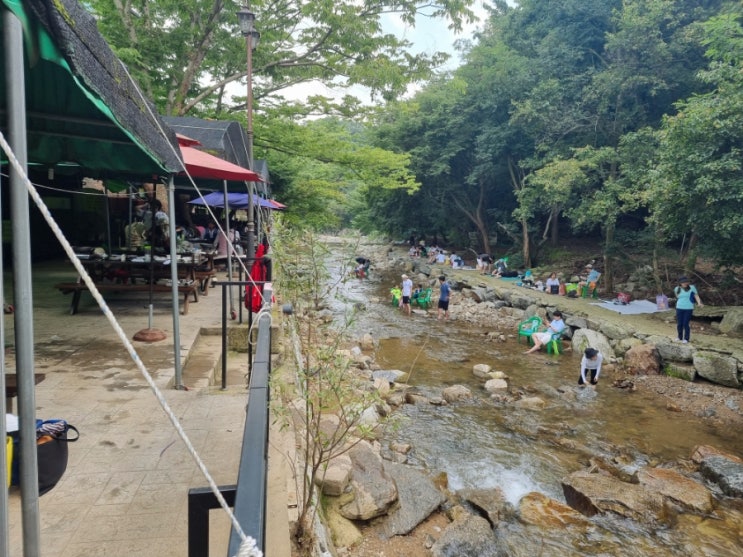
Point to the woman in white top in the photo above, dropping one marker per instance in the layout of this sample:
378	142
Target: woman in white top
591	360
553	284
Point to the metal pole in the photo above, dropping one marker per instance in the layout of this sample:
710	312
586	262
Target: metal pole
229	249
23	295
249	108
224	336
107	211
129	229
4	523
174	281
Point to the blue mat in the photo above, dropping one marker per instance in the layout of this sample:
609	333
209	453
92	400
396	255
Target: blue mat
510	279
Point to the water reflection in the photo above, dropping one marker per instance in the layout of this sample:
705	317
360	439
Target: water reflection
485	444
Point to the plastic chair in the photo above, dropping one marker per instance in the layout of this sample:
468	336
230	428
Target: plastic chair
591	289
554	346
423	300
529	327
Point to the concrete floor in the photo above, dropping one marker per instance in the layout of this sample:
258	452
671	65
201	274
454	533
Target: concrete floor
125	489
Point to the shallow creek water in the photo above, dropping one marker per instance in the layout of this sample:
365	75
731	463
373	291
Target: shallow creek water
483	444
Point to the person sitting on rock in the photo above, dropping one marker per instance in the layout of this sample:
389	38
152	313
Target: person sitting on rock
553	284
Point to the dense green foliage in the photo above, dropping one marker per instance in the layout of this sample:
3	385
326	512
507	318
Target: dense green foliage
190	58
580	113
577	117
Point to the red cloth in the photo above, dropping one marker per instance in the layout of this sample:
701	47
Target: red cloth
254	293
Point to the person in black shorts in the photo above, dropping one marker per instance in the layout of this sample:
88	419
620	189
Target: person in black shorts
444	293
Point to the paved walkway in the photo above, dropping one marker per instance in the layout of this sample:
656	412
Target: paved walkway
125	489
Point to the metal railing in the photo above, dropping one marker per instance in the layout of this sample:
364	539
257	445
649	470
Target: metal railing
248	497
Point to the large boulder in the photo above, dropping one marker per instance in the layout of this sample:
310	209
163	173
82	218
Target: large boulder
700	452
615	331
547	513
591	494
468	535
681	490
373	490
490	503
521	301
732	322
576	322
417	496
725	472
621	347
717	368
585	338
343	531
336	477
680	370
670	350
643	359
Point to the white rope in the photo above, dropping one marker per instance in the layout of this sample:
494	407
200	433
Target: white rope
247	542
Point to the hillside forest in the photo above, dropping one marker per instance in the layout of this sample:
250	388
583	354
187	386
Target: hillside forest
615	121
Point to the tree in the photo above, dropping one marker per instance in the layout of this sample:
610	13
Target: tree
186	53
698	183
321	163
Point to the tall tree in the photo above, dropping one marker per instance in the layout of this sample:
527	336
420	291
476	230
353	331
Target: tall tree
698	183
188	52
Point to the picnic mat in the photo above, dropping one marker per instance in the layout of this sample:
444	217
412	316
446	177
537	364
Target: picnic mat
510	279
635	307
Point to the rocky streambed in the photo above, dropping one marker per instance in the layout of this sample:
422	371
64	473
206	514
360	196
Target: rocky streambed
500	455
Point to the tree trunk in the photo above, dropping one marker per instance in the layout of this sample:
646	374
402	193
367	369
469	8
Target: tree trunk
484	234
555	226
691	254
656	266
608	276
525	251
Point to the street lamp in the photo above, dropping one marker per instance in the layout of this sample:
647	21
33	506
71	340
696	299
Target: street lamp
246	20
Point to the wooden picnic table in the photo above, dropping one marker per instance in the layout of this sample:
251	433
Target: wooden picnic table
133	274
11	388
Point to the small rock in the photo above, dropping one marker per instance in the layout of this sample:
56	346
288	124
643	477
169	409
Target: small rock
456	393
496	385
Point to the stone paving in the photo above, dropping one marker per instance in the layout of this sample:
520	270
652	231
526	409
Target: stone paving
125	489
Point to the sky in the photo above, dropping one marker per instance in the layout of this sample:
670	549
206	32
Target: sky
428	36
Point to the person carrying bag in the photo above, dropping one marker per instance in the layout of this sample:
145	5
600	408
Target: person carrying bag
686	298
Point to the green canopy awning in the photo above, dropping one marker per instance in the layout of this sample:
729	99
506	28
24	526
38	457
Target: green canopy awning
82	108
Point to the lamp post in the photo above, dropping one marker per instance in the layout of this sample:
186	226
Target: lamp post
246	20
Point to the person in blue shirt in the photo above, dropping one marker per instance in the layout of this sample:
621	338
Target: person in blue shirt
444	293
589	278
686	297
542	338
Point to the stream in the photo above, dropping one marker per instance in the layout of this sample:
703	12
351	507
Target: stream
483	444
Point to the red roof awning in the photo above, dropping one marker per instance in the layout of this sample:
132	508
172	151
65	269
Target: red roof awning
203	165
187	141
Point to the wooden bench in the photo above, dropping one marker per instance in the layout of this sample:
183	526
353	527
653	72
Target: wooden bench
11	388
77	288
204	279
